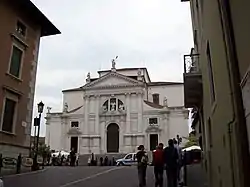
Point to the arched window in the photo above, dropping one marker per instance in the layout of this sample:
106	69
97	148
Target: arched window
113	104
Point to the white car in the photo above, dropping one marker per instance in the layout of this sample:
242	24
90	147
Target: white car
128	160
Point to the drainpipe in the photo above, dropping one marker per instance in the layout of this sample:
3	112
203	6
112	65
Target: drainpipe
235	91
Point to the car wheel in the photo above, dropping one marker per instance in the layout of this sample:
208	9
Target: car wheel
121	164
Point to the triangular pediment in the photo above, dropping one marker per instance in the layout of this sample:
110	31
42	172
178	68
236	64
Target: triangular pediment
113	79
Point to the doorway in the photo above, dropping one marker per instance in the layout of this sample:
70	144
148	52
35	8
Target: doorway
153	138
74	144
113	138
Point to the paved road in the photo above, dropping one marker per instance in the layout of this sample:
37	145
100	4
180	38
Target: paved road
83	176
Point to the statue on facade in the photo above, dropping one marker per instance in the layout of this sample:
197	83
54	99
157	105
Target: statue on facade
49	109
66	106
121	107
139	73
104	108
165	101
113	106
113	62
88	77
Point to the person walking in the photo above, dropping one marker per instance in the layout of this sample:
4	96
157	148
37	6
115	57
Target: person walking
142	161
171	161
158	163
179	162
19	163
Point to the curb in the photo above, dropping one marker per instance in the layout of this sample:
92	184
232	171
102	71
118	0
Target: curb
26	173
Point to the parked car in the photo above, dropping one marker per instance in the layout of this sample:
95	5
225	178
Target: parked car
128	160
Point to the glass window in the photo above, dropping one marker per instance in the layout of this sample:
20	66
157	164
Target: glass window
74	124
129	156
156	99
16	60
153	121
8	116
21	28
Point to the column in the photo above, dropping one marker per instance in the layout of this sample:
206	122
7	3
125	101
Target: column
128	113
97	108
139	128
86	115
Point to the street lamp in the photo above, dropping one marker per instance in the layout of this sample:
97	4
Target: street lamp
40	107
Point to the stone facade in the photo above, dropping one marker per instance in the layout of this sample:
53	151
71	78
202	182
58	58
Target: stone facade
116	112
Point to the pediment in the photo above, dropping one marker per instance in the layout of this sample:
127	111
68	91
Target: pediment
149	106
113	79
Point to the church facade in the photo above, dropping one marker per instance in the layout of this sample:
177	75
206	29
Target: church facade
116	112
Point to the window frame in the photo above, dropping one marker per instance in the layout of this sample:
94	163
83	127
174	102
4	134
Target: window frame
212	90
21	63
26	28
153	123
156	94
74	122
12	97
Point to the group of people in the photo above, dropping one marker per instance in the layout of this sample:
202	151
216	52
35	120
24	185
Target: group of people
61	159
92	161
169	159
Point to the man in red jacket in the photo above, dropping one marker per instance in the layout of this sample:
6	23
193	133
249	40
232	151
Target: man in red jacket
158	162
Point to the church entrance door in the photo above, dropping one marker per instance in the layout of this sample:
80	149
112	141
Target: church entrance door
74	143
153	141
113	138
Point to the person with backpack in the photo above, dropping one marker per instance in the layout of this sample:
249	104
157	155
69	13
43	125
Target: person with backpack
142	162
171	160
158	163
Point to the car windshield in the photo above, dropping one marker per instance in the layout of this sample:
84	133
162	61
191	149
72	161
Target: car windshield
128	156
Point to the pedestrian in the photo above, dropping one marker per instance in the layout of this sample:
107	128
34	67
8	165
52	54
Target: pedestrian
171	161
158	163
106	161
101	161
1	162
19	163
72	157
113	161
177	147
142	161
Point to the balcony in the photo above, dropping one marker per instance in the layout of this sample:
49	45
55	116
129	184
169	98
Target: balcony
192	81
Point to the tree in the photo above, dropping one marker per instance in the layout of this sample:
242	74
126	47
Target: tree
192	139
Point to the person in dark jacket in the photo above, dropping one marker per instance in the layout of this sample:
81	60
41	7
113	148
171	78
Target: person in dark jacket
171	161
142	161
158	163
19	163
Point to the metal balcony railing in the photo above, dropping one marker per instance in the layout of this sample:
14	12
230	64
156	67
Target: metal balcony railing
191	63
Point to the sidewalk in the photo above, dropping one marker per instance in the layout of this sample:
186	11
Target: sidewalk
196	176
5	172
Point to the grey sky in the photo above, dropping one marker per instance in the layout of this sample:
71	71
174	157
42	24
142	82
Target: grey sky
151	33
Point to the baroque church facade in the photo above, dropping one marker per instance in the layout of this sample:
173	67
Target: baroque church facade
116	112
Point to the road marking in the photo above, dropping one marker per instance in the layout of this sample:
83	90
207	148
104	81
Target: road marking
25	173
90	177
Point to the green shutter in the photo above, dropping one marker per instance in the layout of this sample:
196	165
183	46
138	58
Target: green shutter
16	60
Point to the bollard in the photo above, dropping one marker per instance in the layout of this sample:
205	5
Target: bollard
1	183
185	168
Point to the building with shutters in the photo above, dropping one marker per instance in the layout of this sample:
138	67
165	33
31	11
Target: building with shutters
22	27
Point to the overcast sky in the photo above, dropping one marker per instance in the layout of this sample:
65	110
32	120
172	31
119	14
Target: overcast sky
149	33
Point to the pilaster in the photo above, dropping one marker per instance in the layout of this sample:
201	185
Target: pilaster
86	112
140	120
128	95
97	107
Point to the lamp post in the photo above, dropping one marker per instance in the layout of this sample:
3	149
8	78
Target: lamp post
38	122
